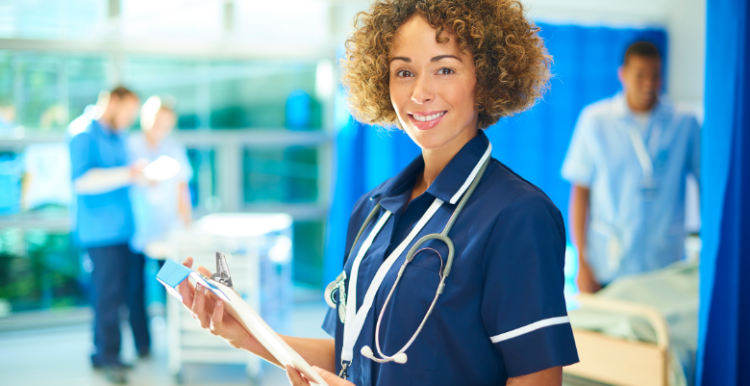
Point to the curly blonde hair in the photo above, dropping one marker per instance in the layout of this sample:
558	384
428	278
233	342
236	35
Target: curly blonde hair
512	64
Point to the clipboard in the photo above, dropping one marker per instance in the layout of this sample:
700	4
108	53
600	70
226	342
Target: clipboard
173	273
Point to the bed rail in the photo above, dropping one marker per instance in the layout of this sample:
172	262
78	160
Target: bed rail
619	361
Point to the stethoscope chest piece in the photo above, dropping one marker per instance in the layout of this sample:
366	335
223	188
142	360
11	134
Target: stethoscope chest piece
334	288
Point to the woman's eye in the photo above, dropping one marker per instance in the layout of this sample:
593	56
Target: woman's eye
404	73
445	71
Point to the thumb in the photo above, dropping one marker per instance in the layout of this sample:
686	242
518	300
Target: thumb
330	378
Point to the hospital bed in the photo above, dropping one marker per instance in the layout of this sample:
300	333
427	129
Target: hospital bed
640	330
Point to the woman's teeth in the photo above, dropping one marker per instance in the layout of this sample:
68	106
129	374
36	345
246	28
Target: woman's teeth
425	118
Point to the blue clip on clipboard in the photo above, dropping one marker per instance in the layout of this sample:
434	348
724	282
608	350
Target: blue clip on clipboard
174	273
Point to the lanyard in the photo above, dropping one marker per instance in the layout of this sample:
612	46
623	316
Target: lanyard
642	153
355	320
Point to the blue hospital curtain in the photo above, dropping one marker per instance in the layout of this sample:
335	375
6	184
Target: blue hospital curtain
723	356
533	143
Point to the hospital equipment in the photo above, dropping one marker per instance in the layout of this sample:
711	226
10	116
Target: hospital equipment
353	319
174	273
248	241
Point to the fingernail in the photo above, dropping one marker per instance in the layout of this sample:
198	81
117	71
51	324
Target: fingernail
219	304
198	287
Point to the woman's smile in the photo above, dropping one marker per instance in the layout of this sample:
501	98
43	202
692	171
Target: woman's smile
426	120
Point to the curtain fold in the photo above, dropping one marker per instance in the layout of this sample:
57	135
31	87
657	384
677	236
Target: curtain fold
723	358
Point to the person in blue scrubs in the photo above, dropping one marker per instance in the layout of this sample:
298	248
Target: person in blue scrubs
104	221
628	162
441	71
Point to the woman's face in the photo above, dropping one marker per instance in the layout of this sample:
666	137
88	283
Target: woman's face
432	87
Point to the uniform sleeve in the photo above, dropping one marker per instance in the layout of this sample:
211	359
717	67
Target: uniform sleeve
523	306
329	323
578	167
80	155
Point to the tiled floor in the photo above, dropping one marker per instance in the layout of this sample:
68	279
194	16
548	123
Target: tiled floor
60	357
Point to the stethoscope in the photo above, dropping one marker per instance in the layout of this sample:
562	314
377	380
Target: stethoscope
335	293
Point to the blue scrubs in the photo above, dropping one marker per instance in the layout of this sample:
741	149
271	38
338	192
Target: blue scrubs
104	226
101	219
502	313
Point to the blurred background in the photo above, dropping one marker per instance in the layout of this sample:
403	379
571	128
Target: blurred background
263	116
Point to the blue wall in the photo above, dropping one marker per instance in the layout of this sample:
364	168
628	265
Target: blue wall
533	143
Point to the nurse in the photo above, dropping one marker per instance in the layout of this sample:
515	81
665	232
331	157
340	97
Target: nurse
159	206
442	71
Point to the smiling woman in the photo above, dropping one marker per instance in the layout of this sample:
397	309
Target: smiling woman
512	64
454	274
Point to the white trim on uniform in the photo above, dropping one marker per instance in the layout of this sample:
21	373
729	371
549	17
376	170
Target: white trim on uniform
529	328
473	174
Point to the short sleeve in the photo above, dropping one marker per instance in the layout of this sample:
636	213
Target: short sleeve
329	323
578	167
80	155
523	306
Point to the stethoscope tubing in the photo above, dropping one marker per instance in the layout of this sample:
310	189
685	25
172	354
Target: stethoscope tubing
443	236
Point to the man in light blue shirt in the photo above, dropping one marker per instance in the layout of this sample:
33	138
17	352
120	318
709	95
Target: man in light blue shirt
628	162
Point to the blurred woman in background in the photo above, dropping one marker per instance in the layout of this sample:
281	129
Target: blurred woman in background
159	206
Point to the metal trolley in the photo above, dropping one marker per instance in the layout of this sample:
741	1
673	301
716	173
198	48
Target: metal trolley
258	248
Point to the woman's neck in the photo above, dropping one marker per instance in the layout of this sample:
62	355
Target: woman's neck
435	160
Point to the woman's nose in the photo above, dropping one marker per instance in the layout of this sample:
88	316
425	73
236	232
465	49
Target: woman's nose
423	91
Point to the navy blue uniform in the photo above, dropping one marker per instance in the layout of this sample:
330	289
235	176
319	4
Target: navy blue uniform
502	313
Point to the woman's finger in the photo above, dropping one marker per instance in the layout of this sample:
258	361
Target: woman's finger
199	310
216	318
295	378
185	288
204	271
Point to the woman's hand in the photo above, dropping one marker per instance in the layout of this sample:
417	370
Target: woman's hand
297	379
210	312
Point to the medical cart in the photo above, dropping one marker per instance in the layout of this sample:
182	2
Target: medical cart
258	248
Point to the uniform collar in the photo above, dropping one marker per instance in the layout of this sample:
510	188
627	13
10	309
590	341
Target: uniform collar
621	109
449	185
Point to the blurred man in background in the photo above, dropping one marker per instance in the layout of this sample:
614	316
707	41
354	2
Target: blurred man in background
628	162
104	219
164	204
